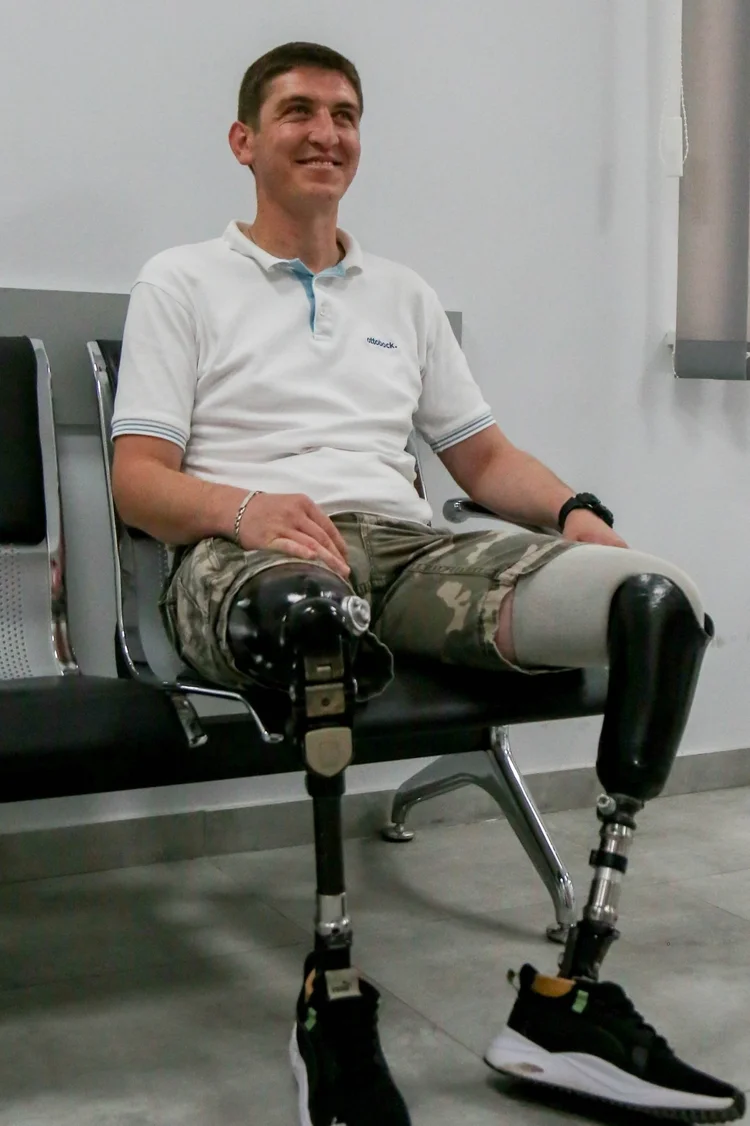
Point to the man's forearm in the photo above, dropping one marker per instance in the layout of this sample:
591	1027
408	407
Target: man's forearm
519	487
171	505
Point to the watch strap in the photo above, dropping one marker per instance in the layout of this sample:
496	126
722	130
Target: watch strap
589	502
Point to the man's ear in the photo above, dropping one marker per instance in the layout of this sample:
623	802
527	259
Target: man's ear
242	143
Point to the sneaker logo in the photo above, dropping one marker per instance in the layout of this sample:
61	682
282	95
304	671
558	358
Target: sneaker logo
523	1068
581	1001
640	1058
342	983
381	343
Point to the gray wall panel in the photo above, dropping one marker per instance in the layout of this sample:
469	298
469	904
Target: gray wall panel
65	321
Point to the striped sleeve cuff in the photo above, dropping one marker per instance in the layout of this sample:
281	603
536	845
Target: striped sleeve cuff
468	430
150	430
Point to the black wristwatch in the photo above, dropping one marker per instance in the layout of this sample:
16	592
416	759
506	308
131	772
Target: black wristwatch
585	500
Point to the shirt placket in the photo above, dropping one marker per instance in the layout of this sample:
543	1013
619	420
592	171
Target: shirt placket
323	327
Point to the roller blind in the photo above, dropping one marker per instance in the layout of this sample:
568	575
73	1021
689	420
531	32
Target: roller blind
712	329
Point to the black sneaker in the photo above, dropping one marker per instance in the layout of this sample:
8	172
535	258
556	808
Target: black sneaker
336	1056
587	1037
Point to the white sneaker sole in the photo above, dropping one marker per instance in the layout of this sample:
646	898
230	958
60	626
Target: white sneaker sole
514	1055
300	1074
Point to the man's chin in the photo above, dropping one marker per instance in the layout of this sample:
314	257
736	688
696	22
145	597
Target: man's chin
321	193
323	183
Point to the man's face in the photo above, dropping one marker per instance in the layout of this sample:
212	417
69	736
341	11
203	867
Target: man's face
306	148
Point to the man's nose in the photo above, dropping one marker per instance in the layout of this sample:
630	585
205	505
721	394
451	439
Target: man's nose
323	130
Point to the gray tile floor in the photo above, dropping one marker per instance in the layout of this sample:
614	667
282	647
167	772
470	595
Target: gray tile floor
162	995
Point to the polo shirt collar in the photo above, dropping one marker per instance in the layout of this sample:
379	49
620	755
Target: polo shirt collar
352	260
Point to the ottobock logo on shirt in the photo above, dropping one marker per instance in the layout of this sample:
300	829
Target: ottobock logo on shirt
381	343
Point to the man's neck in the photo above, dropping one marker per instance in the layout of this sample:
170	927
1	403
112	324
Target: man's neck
312	239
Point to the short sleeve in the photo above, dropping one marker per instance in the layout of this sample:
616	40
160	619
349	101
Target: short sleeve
451	406
158	369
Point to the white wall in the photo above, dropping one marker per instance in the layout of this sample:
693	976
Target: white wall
510	155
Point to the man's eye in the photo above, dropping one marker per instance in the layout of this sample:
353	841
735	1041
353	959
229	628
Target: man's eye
297	109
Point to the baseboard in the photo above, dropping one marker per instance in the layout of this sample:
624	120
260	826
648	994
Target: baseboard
125	842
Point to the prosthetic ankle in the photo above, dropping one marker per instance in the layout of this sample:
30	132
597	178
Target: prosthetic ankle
297	627
656	647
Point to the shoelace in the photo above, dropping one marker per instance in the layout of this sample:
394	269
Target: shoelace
614	999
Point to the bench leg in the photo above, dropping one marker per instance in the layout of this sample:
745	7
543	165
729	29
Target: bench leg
495	771
446	774
515	800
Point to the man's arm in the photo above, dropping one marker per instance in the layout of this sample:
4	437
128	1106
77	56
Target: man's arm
517	486
153	494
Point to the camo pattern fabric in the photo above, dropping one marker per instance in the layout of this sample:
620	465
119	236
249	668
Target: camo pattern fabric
432	593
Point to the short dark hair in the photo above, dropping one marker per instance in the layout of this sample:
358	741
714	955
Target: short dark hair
281	60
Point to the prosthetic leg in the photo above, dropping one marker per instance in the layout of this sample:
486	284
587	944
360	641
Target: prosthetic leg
656	648
295	627
299	627
573	1032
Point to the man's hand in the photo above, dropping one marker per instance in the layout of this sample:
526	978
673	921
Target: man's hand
294	524
582	526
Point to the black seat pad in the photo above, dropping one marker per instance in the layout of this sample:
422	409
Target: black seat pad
75	735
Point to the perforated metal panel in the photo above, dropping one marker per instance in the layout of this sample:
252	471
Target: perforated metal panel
14	657
26	632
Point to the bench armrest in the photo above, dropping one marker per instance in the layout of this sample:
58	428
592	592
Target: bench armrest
458	509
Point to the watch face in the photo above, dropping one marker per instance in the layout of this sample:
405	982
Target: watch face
590	502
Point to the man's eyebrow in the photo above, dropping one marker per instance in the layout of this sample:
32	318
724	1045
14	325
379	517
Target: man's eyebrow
291	98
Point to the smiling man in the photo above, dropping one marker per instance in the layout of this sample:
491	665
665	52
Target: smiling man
269	383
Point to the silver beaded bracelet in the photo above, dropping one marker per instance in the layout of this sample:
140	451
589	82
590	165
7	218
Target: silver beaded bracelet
240	513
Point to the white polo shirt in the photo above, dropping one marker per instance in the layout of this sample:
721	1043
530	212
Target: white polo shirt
269	377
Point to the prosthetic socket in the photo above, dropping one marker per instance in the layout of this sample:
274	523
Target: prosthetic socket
656	647
300	628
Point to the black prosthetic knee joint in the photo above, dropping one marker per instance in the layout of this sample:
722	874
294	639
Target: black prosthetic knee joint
286	609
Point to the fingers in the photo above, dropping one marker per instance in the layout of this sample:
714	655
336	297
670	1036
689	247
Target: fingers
611	539
316	532
305	547
293	523
338	539
606	538
327	526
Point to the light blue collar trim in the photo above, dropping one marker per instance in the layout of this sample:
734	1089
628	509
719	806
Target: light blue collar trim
353	257
307	277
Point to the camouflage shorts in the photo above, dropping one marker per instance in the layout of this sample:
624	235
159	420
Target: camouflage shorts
432	593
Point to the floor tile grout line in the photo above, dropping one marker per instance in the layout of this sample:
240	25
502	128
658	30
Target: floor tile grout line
128	973
389	989
423	1017
712	875
707	902
652	879
448	917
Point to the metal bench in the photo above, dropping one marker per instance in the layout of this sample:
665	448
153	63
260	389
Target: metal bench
429	709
